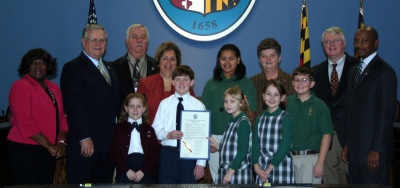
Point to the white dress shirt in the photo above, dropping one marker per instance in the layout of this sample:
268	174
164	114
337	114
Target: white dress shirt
165	119
135	145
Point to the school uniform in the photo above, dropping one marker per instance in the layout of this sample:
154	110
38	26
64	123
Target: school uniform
135	150
174	170
272	140
235	149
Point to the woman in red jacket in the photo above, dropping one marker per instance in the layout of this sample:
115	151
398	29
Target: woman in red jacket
39	126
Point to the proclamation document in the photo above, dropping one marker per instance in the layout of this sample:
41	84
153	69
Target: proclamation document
195	126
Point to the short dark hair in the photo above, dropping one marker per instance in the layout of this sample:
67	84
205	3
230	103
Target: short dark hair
371	29
183	70
269	43
167	46
279	86
34	54
240	71
303	70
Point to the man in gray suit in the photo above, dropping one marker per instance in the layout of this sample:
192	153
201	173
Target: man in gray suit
371	97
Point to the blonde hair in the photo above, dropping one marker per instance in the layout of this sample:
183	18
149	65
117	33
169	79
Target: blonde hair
124	115
238	94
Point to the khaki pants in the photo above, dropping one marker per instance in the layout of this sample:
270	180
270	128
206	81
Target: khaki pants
335	170
303	168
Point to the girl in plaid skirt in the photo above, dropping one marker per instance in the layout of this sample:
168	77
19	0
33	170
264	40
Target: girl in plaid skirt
235	162
272	138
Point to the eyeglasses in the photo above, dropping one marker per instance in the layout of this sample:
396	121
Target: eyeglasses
335	42
95	40
302	80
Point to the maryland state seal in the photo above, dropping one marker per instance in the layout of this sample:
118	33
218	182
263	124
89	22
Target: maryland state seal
204	20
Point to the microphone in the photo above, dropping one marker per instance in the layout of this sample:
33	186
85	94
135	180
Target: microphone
221	109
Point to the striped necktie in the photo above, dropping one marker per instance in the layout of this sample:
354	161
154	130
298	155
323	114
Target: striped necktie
358	73
103	71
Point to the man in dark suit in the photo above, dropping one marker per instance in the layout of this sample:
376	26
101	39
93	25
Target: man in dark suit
371	97
90	88
128	71
333	91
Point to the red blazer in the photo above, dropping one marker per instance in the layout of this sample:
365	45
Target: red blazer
33	111
153	87
120	146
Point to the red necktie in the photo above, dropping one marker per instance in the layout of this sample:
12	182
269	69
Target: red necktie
334	79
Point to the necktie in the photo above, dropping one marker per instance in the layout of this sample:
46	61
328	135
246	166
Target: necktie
358	73
334	79
135	125
136	72
179	108
103	71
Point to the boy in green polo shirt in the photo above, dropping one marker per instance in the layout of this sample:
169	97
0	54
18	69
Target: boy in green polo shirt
312	130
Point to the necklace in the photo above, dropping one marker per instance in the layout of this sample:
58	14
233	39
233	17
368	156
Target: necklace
49	91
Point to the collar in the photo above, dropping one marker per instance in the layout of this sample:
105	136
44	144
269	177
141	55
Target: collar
274	113
233	119
339	62
34	82
94	61
185	96
132	59
139	121
368	59
233	77
306	101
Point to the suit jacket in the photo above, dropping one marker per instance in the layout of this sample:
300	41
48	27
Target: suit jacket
371	109
124	75
337	103
120	147
34	112
90	103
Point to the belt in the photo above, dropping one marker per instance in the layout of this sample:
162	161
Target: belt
173	148
304	152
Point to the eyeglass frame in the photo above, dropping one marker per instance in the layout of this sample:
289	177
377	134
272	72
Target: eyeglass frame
329	42
96	40
301	80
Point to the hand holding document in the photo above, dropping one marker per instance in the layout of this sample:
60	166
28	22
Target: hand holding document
195	126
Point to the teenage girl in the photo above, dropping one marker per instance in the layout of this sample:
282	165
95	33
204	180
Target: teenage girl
272	138
234	158
134	148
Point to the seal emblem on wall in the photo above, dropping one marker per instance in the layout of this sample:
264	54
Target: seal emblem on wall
204	20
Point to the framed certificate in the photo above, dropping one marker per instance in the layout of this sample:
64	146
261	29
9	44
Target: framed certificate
195	126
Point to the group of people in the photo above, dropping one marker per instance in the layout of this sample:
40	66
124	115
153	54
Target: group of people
274	127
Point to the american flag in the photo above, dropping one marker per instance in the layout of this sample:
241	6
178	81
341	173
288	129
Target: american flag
360	20
92	18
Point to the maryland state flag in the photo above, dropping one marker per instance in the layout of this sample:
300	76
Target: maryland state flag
92	18
205	6
305	55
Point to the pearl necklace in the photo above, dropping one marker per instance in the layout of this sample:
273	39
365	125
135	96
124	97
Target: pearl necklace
51	93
